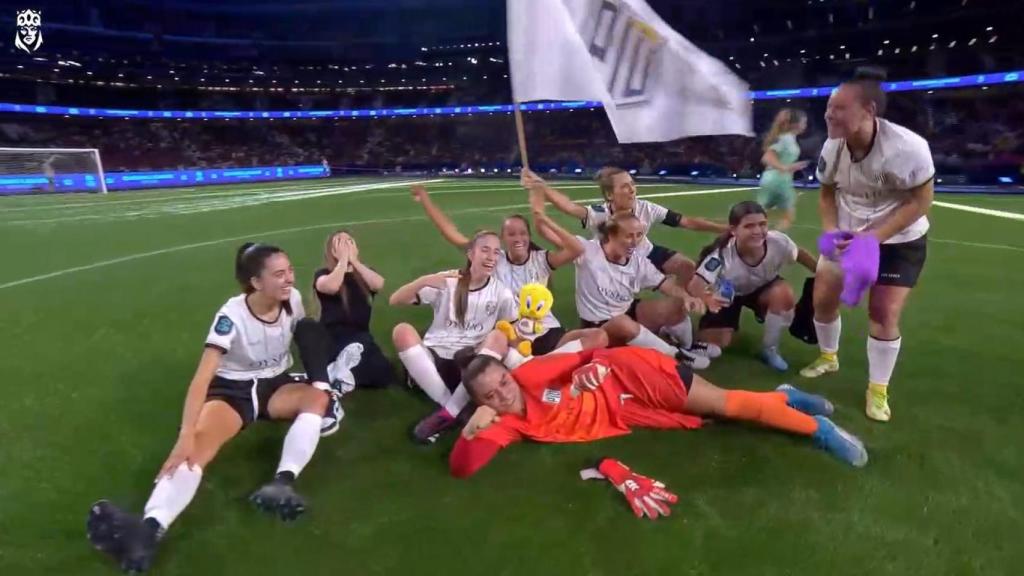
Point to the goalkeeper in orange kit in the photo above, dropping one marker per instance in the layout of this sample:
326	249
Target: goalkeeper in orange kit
602	393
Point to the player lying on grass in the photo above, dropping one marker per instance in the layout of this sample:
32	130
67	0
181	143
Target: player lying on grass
748	260
518	263
609	277
601	393
242	376
876	181
345	288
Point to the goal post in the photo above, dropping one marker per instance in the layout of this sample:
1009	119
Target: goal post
51	170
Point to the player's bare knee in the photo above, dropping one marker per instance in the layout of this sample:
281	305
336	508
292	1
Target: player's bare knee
404	336
594	338
885	314
781	298
621	329
495	341
314	401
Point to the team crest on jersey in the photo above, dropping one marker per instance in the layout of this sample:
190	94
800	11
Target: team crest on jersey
822	164
490	308
223	325
712	264
552	396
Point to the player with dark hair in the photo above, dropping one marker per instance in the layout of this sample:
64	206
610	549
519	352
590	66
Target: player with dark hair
601	393
242	376
748	260
876	181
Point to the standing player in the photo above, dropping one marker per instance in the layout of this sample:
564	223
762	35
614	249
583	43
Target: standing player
345	288
598	394
242	376
619	191
467	303
876	178
781	152
609	276
750	258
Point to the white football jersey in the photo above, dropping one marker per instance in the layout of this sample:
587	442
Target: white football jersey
648	213
605	289
535	270
780	251
252	347
485	306
867	191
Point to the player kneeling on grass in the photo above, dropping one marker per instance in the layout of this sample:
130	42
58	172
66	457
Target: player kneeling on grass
748	258
602	393
242	375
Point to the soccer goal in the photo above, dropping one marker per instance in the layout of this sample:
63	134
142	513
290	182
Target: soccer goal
46	170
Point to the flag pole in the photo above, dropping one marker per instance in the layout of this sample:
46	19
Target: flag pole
521	133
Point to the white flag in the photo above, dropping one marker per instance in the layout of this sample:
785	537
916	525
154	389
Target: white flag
655	85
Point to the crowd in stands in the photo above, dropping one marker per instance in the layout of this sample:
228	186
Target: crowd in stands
974	134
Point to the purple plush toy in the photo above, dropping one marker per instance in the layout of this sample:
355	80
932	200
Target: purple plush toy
859	262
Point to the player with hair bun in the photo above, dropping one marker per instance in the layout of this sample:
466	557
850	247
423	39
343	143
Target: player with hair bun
242	376
876	181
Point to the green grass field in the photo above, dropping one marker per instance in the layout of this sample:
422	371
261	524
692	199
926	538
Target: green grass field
106	302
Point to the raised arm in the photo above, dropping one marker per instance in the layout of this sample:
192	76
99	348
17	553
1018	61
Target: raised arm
559	200
407	294
444	224
569	246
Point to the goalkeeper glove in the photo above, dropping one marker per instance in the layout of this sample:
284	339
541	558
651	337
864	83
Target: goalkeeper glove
646	496
589	376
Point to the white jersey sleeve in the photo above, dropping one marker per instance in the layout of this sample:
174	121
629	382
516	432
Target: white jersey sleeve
710	267
649	277
430	296
508	309
222	331
650	213
828	161
597	214
785	245
911	161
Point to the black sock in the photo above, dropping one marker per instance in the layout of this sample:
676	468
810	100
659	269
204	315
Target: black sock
285	476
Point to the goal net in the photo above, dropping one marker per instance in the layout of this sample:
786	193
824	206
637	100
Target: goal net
51	170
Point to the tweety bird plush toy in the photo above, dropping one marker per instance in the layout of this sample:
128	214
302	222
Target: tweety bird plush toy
535	302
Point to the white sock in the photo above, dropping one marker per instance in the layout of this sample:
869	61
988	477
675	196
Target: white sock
682	332
647	339
773	326
420	365
172	494
458	401
491	353
300	443
882	355
569	347
513	359
828	335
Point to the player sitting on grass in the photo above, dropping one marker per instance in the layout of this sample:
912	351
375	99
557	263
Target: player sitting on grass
749	259
601	393
466	305
242	375
345	288
610	275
